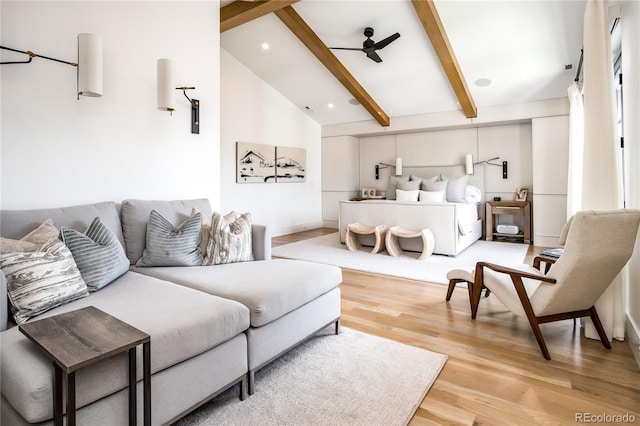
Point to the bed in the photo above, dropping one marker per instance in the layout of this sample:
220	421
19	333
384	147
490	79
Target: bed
455	224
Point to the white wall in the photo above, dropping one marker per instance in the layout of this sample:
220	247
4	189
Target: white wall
631	97
59	151
252	111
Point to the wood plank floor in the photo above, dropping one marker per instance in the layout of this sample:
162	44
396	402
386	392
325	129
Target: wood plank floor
495	374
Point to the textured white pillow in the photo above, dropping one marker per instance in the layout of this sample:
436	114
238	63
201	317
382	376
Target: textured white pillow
407	195
230	239
41	280
431	196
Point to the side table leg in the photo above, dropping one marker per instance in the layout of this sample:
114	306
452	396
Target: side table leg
57	395
146	354
71	399
133	396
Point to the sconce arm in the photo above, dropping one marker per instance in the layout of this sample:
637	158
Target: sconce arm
31	56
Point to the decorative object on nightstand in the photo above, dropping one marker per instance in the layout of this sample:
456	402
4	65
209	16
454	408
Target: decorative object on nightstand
79	338
514	208
521	194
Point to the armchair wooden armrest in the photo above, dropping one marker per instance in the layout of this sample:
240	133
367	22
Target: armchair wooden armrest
513	272
548	260
516	276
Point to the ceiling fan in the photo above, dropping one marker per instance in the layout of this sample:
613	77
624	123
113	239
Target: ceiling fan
369	46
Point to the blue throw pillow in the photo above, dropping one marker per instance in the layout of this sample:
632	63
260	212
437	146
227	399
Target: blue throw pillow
168	245
98	253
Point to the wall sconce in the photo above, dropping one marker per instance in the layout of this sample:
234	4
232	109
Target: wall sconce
397	166
89	65
166	93
469	165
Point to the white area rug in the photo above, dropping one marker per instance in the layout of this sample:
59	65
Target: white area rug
350	379
327	249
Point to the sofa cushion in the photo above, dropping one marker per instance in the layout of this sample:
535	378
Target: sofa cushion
135	215
16	223
270	289
182	323
32	241
41	280
230	239
169	245
98	254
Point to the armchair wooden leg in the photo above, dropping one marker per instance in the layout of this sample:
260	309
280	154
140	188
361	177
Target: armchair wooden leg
599	328
452	285
475	291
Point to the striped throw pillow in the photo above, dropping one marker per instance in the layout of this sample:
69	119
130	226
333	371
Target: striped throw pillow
41	280
167	245
99	255
230	239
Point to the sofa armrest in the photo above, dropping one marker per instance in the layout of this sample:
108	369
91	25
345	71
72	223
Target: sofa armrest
261	242
4	303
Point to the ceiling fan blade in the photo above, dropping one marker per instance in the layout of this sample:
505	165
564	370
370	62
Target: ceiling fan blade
384	43
347	48
374	56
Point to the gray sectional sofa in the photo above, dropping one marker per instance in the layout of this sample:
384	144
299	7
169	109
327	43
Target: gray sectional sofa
211	327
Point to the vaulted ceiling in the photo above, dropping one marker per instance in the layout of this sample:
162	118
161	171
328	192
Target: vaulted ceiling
451	55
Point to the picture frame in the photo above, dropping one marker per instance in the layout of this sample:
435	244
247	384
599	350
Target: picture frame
255	163
521	194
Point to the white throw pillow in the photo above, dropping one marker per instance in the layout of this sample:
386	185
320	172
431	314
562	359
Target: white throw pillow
230	239
431	196
407	195
473	195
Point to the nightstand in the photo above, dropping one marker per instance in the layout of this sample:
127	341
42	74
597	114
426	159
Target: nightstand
515	208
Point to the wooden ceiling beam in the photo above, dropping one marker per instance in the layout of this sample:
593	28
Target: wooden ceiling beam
426	11
240	12
299	27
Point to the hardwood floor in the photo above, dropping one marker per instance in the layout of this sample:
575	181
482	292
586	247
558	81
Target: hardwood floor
495	373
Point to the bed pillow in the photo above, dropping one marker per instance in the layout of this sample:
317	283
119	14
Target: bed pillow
41	280
393	185
431	196
425	181
167	245
98	253
230	239
456	189
473	195
402	195
440	185
411	185
32	241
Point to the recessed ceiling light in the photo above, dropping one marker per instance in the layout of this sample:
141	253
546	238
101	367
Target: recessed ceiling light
483	82
265	46
354	101
330	105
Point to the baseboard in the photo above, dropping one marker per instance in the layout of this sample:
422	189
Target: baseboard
633	337
292	229
330	224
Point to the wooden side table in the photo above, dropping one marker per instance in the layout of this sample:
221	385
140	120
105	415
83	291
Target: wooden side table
517	208
83	337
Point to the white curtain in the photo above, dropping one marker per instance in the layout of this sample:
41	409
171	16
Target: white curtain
601	175
576	148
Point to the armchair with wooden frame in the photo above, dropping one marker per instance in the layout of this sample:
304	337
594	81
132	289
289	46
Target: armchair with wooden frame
597	245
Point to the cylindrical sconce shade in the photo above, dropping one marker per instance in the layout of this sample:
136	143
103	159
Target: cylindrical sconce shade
89	65
166	86
468	160
398	166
